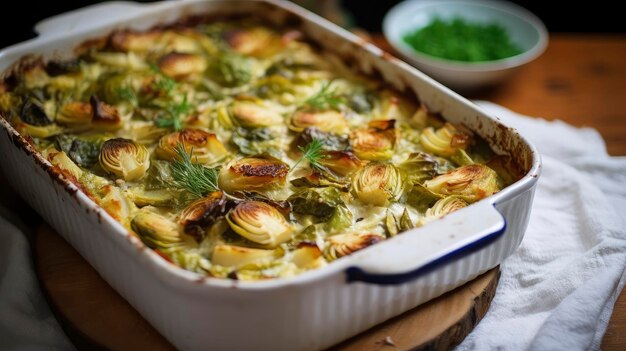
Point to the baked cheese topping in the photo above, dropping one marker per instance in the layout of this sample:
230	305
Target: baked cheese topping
239	150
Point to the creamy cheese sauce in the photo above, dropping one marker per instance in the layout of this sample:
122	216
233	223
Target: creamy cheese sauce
294	159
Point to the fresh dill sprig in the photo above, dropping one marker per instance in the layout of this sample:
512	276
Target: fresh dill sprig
192	177
312	152
164	84
325	99
127	94
175	112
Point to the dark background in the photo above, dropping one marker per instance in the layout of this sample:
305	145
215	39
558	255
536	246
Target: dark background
596	16
600	16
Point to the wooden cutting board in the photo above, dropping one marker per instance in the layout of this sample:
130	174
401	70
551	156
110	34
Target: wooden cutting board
95	317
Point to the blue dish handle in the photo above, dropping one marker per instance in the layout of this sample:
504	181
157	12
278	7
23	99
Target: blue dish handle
485	225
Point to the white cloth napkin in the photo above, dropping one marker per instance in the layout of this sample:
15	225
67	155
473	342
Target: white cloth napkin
555	293
26	322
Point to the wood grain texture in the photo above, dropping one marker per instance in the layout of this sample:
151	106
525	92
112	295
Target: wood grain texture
96	317
93	315
440	324
580	79
615	337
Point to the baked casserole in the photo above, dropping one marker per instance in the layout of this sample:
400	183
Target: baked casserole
236	149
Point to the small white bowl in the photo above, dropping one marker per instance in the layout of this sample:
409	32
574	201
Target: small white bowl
524	28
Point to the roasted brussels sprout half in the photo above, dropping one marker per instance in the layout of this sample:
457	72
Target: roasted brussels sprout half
321	178
341	163
237	256
75	113
443	207
361	101
422	198
423	118
329	141
146	133
340	219
179	65
341	245
257	141
395	106
259	222
377	142
105	117
471	183
204	147
118	87
230	69
283	207
157	231
319	202
202	213
329	121
34	113
159	197
254	41
419	166
124	158
252	173
378	184
34	120
445	141
249	114
275	87
125	40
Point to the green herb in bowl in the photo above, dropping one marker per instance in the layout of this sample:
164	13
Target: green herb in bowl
460	40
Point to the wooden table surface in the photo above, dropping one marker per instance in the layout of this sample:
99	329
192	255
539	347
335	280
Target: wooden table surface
580	79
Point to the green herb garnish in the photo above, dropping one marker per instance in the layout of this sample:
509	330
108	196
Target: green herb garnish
461	40
175	112
194	178
127	94
325	99
163	83
312	152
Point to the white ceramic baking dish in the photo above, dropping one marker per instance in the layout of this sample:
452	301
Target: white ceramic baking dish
316	309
